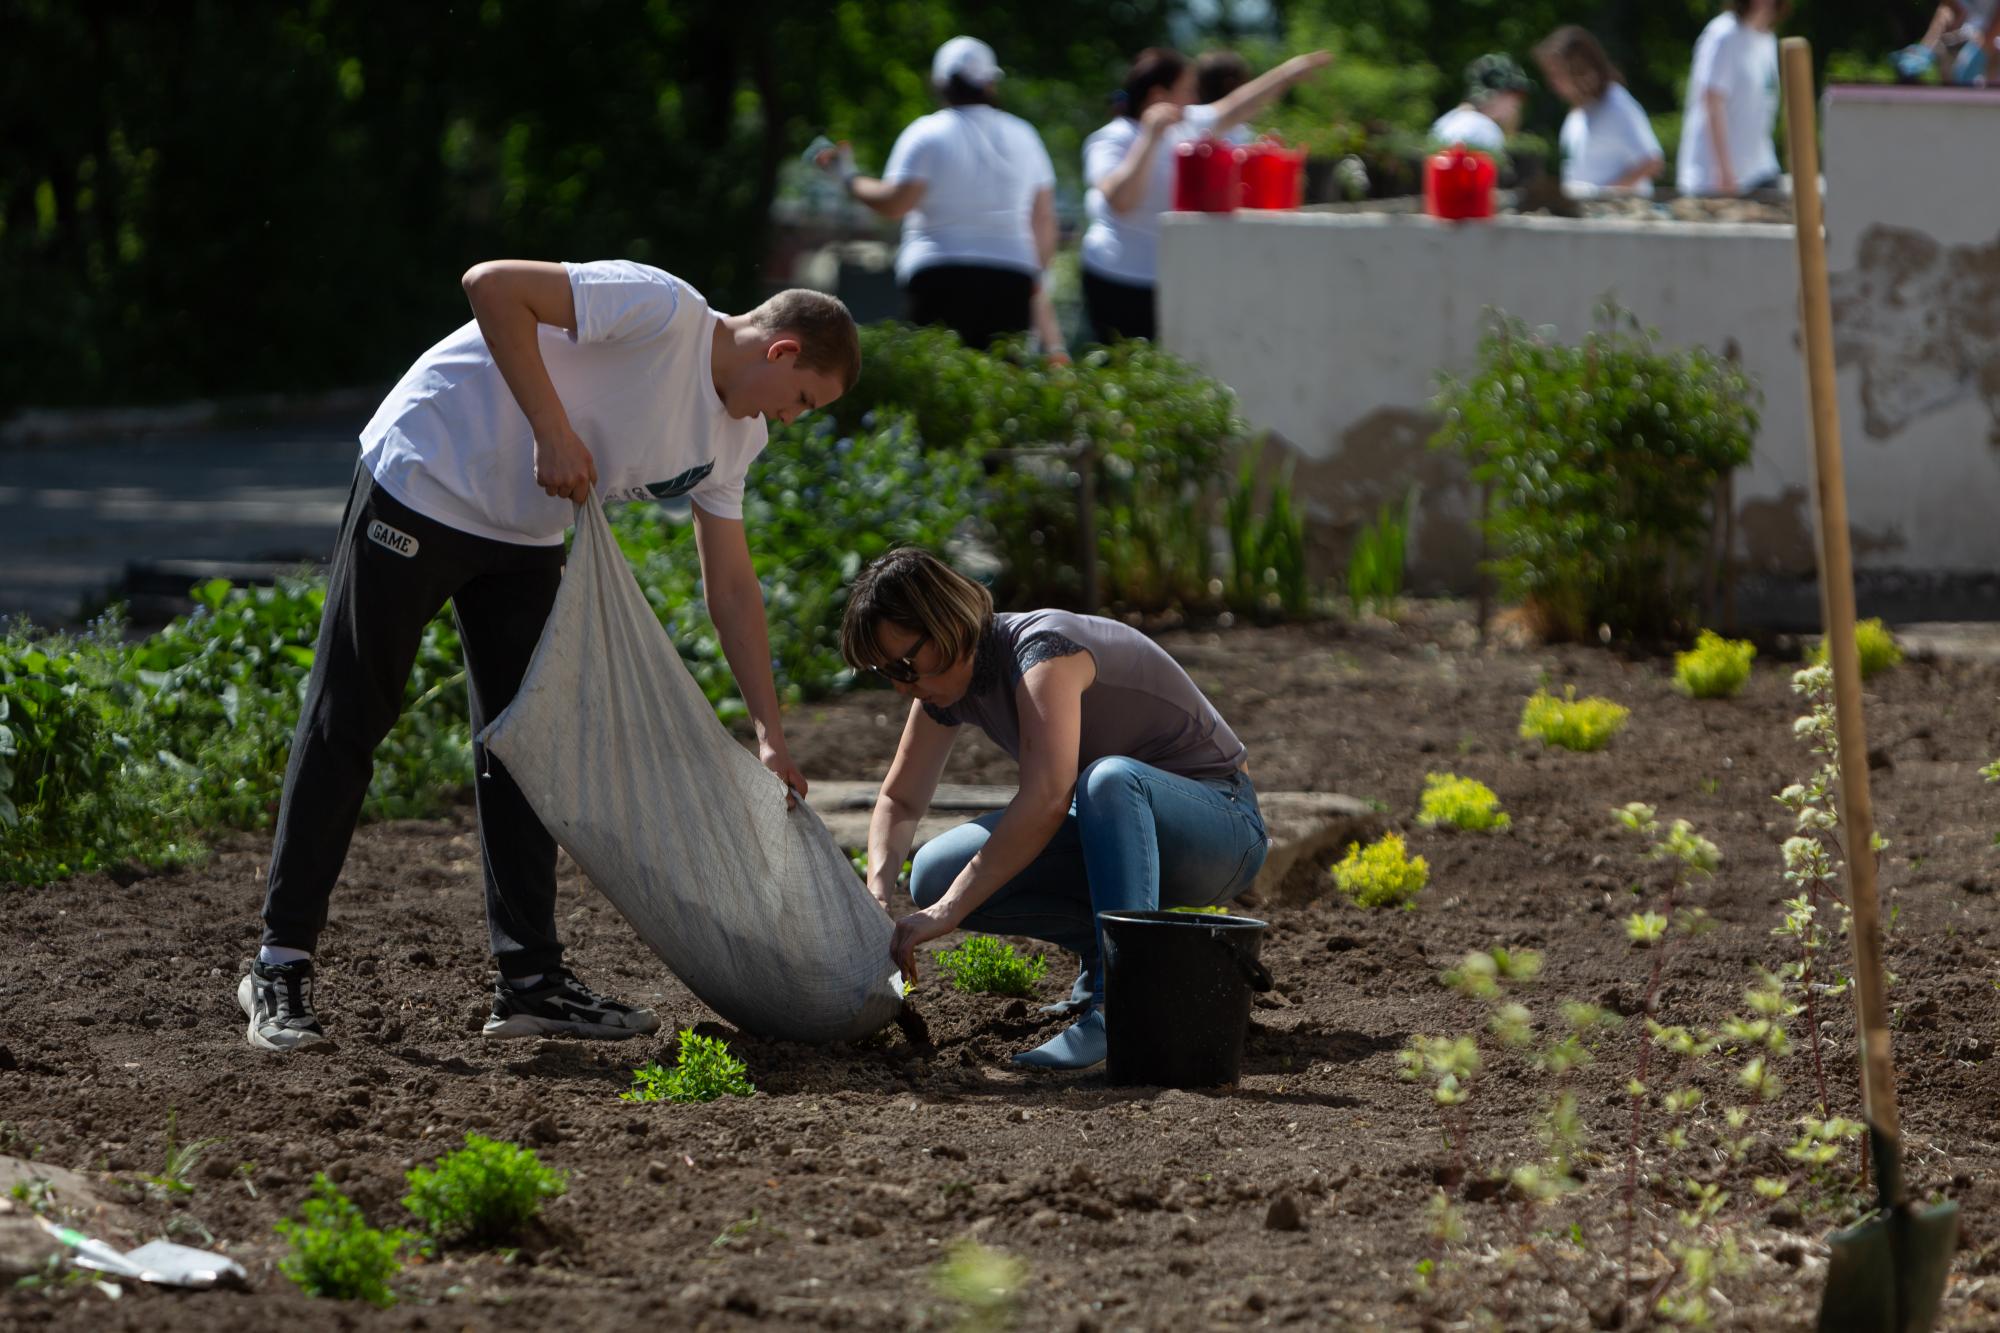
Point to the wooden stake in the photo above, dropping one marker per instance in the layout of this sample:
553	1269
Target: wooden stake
1836	571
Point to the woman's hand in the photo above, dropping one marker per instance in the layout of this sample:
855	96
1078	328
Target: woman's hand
918	928
1159	116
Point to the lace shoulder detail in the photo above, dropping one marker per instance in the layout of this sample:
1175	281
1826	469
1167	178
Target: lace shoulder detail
944	717
1044	646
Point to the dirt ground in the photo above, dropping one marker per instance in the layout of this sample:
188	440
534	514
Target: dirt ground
1299	1197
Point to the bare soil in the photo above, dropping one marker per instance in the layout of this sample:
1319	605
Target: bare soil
1298	1197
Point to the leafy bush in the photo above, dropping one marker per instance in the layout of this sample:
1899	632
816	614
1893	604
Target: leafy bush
1572	723
1375	563
1267	555
336	1254
1601	461
987	966
1380	874
704	1071
1873	644
1715	668
1463	803
482	1194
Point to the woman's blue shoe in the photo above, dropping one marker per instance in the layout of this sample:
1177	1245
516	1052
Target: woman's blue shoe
1078	1046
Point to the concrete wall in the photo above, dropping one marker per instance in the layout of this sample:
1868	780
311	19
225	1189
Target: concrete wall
1332	327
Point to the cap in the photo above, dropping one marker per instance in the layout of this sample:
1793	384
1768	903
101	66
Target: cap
968	58
1493	73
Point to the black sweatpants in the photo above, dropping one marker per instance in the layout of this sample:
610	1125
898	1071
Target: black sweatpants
978	302
392	570
1119	310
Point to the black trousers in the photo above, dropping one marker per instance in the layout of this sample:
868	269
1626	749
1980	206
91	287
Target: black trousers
1119	310
392	570
976	301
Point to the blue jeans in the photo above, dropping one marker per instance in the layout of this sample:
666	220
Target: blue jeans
1136	838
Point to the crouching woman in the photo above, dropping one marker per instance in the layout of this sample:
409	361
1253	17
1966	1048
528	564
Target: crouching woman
1133	792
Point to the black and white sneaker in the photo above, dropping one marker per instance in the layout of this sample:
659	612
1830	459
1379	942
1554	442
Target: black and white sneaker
558	1005
277	999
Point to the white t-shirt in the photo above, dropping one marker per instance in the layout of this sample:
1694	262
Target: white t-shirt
1126	246
1471	127
1740	63
636	379
981	168
1607	139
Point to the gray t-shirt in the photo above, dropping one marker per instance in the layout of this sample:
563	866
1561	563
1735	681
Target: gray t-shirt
1141	706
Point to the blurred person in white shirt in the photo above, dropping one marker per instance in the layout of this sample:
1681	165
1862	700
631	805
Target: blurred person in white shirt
1607	142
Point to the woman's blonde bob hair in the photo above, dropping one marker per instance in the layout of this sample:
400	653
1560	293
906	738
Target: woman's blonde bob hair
915	591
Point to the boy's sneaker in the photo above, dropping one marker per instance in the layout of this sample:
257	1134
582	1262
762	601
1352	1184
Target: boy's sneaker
277	999
559	1004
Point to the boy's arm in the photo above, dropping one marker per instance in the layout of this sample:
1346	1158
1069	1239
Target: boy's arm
511	299
736	605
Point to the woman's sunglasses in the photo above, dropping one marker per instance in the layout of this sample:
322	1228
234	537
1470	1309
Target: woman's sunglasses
904	669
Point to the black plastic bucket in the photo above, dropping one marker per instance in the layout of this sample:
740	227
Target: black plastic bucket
1177	991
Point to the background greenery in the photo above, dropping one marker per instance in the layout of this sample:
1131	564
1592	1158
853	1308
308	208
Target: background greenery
225	199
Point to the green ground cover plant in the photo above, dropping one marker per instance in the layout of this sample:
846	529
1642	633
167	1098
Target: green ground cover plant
988	966
1381	874
335	1254
1571	723
1600	460
1451	801
703	1071
1715	668
1873	644
482	1194
1375	562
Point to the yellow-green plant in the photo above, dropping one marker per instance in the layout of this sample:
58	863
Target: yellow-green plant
985	1282
984	965
482	1194
1715	668
335	1253
704	1071
1381	874
1873	644
1462	803
1572	723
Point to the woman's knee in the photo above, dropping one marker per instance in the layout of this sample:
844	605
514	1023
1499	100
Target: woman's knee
939	861
1106	783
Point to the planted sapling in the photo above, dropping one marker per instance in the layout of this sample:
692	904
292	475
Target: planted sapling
1571	723
987	966
336	1254
703	1071
1462	803
986	1282
1381	874
1715	668
1873	644
483	1194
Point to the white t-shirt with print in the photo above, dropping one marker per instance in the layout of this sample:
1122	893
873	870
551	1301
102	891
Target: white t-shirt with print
1741	63
1471	127
636	379
981	168
1126	246
1605	140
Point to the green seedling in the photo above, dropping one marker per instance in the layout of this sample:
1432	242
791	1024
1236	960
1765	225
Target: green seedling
1462	803
1381	874
335	1253
984	965
985	1282
1201	911
1873	644
1571	723
1715	668
172	1180
483	1194
36	1195
704	1071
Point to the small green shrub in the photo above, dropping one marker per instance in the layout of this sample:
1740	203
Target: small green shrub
1463	803
1267	555
1380	874
1715	668
1375	565
1873	644
483	1194
704	1071
336	1254
1572	723
987	966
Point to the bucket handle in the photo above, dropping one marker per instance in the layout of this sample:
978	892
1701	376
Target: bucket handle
1254	972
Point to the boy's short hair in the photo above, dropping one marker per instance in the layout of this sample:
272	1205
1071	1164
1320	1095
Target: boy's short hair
828	340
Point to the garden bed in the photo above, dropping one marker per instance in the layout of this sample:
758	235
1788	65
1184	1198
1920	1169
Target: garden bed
830	1198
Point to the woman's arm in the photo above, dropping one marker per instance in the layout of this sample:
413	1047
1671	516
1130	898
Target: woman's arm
1248	100
1050	698
1644	171
889	200
1124	186
1042	223
905	797
1718	139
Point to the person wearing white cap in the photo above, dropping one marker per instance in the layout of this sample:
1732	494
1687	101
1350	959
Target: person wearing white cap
976	192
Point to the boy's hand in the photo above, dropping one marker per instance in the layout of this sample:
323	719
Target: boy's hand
563	465
775	758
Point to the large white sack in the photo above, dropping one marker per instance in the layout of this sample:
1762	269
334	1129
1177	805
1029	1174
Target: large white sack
755	909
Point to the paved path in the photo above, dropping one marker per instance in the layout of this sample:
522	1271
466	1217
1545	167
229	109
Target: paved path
75	513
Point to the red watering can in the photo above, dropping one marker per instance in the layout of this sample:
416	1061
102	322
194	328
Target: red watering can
1273	175
1459	184
1206	176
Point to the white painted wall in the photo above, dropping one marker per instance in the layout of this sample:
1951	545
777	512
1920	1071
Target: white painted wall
1331	328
